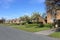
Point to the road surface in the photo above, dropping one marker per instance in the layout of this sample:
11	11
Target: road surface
8	33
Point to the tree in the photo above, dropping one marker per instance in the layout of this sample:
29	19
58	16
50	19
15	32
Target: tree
52	6
2	20
35	16
25	19
44	15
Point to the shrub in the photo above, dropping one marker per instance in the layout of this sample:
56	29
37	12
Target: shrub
13	24
41	25
31	25
23	22
48	25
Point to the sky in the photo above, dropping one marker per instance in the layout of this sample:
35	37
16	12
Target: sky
10	9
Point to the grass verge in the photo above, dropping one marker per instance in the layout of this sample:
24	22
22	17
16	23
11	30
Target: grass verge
31	29
55	35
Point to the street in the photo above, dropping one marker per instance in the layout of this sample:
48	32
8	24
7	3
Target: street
8	33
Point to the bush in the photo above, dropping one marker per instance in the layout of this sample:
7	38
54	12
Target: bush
48	25
31	25
23	23
14	24
41	25
34	25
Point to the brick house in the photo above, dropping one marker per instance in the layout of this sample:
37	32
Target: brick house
53	11
49	16
40	20
15	21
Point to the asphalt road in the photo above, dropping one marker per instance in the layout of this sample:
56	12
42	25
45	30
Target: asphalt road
7	33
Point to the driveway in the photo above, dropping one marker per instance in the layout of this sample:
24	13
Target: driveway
8	33
46	32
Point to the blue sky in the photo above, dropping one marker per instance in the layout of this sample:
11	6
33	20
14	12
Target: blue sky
16	8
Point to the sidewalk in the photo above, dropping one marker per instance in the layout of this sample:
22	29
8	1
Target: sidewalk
46	32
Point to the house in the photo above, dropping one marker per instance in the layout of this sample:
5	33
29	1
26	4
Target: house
50	16
53	10
40	20
15	21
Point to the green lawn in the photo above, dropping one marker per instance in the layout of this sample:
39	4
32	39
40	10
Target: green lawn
31	29
55	34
